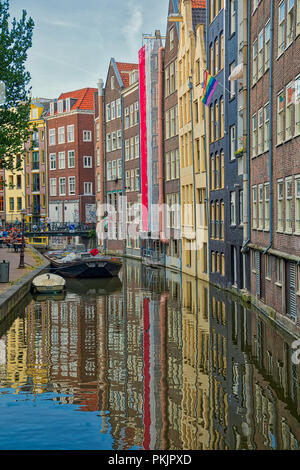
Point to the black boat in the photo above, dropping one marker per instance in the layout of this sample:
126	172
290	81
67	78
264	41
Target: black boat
84	265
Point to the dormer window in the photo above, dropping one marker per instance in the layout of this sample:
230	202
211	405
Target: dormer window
60	106
133	77
34	113
68	104
52	108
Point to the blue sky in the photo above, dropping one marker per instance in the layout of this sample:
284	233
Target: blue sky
74	40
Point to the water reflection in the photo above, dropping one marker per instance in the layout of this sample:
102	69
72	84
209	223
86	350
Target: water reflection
154	361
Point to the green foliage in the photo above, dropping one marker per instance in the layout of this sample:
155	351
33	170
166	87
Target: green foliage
15	40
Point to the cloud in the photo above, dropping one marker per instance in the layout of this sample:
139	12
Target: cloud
60	23
133	28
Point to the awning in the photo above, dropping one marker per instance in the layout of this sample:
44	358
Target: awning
237	72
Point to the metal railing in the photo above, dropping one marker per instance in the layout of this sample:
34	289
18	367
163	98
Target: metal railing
58	227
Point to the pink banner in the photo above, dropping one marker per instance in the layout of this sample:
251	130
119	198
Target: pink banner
143	134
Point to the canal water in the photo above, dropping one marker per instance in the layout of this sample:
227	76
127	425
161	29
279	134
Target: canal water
153	360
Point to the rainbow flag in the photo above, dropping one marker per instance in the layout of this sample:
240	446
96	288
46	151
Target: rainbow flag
209	87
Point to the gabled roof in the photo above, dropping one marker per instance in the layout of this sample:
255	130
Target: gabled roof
198	3
124	69
198	12
84	98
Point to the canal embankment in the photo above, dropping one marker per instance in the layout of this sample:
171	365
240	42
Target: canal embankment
19	282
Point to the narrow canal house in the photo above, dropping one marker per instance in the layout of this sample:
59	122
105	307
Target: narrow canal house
170	178
150	88
35	167
275	161
225	138
117	80
71	165
193	178
131	164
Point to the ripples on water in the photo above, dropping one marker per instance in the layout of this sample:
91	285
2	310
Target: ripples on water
154	361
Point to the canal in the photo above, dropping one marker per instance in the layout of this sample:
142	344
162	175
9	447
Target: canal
153	360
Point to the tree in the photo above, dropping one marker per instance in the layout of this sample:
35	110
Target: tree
15	40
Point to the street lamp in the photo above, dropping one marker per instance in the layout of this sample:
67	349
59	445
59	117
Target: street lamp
21	265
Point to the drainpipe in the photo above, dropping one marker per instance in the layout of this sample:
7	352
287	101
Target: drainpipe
101	148
271	128
245	244
162	235
194	177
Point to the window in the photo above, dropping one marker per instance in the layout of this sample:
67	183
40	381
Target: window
136	112
132	148
113	141
118	108
289	110
260	132
87	136
127	181
232	208
60	106
108	167
119	139
290	23
266	127
87	162
71	158
137	146
216	54
52	161
212	220
70	131
221	51
297	103
52	108
232	82
288	205
241	207
62	186
298	18
281	28
137	179
267	45
279	270
216	120
254	62
232	16
127	118
72	185
222	170
88	189
280	117
108	143
267	206
222	221
107	112
232	142
68	104
260	206
113	110
127	149
280	206
171	38
61	135
222	117
131	115
269	267
11	204
19	204
114	170
254	207
112	83
254	135
61	160
51	136
120	168
260	54
297	205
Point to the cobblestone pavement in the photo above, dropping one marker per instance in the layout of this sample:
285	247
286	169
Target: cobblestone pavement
31	261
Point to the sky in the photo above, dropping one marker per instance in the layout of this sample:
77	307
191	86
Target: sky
74	40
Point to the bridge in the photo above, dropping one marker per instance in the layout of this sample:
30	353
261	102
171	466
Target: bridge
58	229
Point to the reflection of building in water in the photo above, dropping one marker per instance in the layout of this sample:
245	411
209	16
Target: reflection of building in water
73	348
2	358
38	367
195	352
230	378
16	354
275	387
173	347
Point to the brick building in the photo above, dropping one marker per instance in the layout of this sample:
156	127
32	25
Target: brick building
275	158
171	141
2	196
71	164
131	142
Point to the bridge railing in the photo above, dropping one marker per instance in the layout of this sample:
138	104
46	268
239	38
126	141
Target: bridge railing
67	227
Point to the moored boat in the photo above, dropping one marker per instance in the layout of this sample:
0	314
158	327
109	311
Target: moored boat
84	265
48	283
